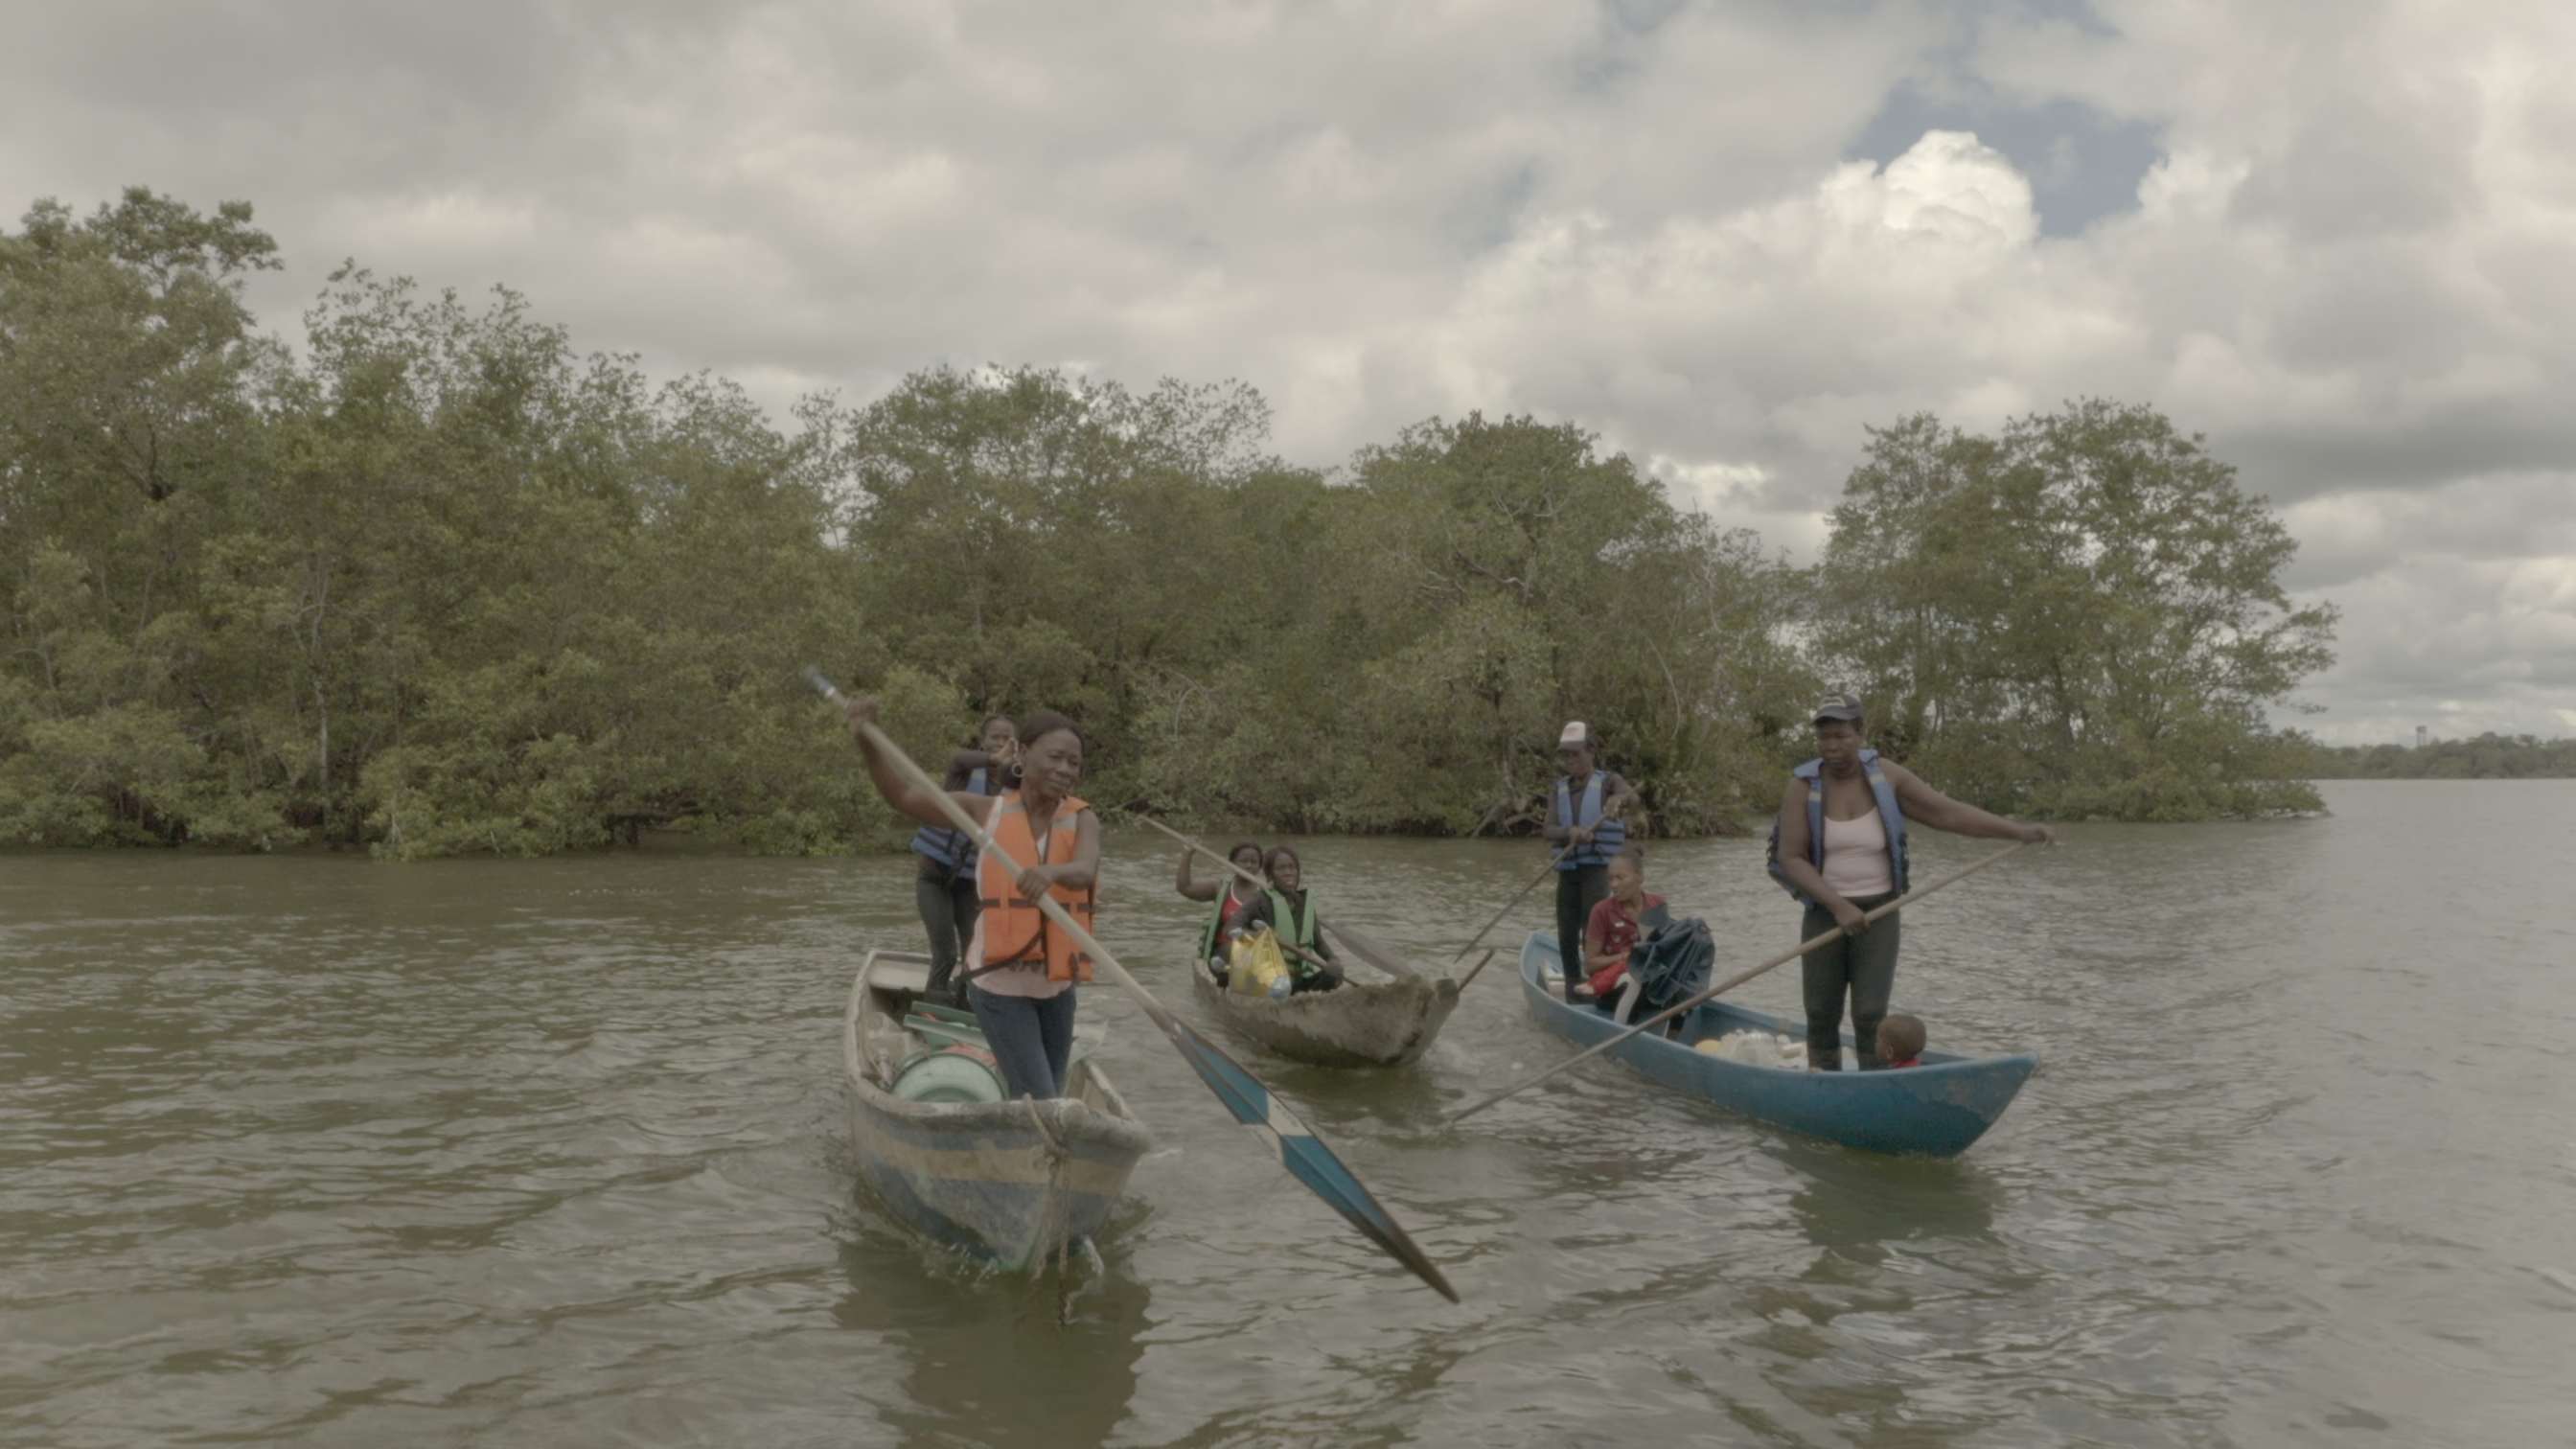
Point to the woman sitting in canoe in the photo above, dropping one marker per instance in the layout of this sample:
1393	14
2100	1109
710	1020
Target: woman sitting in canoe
1233	895
1290	914
1020	967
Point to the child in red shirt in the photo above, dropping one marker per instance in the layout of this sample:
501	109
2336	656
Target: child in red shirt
1614	925
1900	1041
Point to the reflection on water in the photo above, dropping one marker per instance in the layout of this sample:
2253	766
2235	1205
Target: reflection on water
313	1151
1852	1205
1037	1360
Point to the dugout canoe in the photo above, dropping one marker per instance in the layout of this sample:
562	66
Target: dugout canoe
1372	1024
1934	1110
1011	1182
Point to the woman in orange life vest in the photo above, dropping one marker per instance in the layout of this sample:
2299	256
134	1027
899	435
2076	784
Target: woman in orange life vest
1020	968
1861	805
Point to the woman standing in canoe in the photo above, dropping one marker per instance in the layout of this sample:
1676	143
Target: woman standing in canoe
946	892
1839	848
1020	968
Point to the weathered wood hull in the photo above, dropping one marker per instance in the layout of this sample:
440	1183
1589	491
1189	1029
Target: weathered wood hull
1379	1024
1003	1181
1937	1109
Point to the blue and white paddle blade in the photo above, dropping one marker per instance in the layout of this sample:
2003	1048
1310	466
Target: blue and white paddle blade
1304	1155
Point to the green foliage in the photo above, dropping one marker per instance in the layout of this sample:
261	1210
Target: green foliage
2488	757
2081	617
449	585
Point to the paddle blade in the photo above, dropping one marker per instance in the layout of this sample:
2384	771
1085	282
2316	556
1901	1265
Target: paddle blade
1303	1154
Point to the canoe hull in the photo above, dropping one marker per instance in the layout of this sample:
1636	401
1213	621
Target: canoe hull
1379	1024
1937	1110
1005	1182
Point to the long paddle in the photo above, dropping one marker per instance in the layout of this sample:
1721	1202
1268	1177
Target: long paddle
1359	945
1735	981
1300	1150
1512	905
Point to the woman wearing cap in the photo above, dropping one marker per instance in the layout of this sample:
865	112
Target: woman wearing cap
1021	967
1583	822
1839	848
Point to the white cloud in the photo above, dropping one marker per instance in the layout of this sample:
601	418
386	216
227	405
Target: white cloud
2349	270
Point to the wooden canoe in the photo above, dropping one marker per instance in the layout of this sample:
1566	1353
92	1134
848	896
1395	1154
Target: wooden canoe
1376	1024
1936	1109
1008	1182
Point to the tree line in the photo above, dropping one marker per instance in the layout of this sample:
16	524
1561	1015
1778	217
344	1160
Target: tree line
440	582
2490	756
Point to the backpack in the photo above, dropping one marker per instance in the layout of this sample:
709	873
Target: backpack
1672	964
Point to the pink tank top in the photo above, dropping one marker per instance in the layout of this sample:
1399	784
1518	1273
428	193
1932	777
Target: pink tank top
1856	857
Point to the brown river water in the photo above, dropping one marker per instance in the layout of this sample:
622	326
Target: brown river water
319	1151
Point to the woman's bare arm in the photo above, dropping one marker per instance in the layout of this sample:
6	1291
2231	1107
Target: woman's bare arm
1188	885
1928	806
906	797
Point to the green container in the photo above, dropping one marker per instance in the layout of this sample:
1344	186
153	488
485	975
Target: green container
950	1074
942	1027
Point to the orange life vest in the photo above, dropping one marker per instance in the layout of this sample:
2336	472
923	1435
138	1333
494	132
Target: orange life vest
1015	930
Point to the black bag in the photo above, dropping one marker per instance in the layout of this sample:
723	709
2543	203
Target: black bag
1671	965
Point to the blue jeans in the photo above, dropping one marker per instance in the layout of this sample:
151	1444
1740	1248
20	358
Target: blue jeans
1031	1038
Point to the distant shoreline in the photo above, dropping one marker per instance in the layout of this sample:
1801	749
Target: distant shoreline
2487	757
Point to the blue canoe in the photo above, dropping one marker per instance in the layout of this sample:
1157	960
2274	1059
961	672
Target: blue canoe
1936	1109
1012	1183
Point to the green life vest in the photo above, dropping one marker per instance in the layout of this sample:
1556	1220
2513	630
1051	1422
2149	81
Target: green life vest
1294	929
1209	942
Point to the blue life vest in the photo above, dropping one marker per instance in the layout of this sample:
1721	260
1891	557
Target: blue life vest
1890	814
954	849
1608	835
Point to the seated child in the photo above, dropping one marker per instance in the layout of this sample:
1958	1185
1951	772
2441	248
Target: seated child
1616	926
1900	1041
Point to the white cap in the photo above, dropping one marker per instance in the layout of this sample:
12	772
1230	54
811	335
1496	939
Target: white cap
1578	735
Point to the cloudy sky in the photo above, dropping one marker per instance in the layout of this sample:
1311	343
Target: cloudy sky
2338	239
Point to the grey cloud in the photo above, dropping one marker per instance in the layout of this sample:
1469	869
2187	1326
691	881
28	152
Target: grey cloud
2364	164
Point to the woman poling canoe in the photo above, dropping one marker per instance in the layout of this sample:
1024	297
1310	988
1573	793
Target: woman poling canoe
1020	968
1839	850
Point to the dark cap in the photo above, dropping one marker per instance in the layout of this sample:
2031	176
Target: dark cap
1837	706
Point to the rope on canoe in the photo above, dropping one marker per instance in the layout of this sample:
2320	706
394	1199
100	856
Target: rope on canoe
1058	1211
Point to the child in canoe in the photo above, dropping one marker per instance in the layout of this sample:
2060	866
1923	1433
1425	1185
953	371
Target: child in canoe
1900	1041
1617	923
